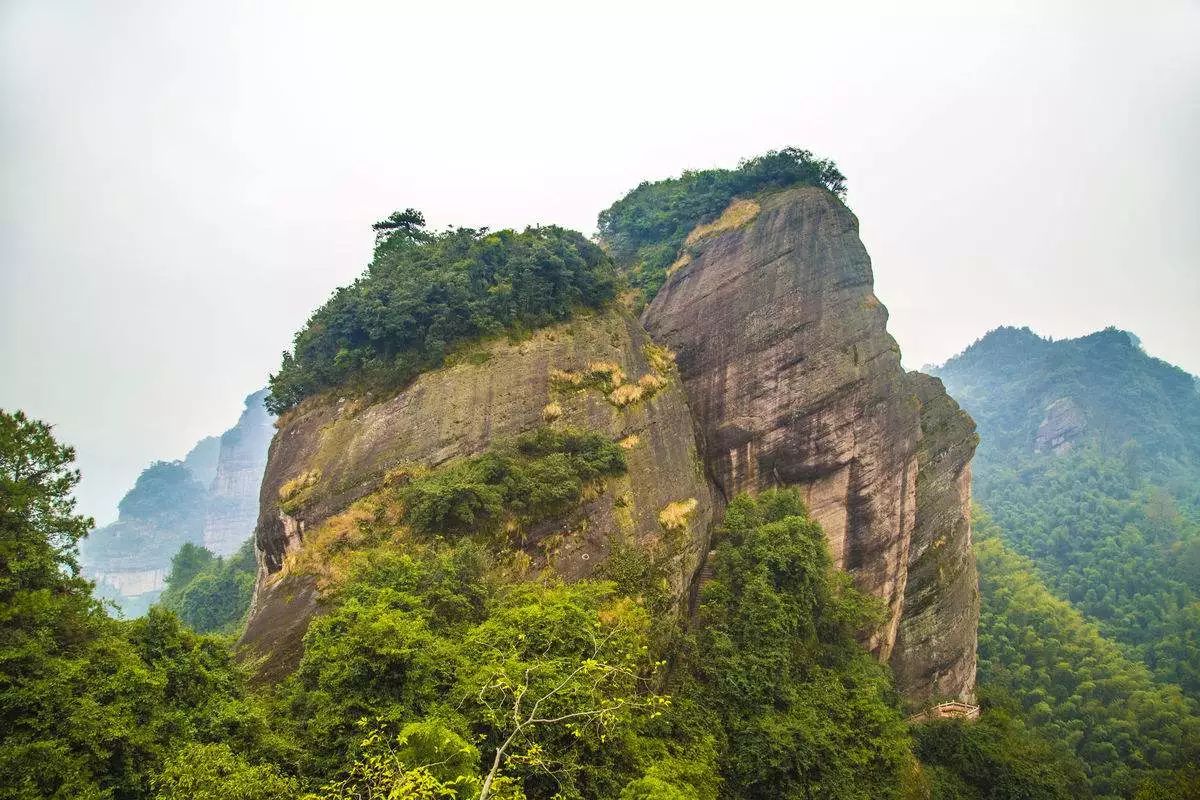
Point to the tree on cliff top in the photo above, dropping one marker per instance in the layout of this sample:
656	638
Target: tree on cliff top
425	293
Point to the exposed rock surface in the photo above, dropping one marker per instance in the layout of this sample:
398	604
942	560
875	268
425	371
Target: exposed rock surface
208	498
493	393
934	657
794	381
232	507
1063	424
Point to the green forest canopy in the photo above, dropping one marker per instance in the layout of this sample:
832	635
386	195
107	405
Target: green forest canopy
1071	684
424	293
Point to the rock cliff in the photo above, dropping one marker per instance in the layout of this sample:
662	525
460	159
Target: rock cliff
232	507
794	381
782	374
346	447
208	498
934	656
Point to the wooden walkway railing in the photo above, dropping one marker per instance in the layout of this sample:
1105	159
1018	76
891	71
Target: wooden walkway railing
951	710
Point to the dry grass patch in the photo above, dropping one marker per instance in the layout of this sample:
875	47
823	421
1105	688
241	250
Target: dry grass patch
294	494
608	371
565	379
680	262
626	394
552	411
651	383
661	359
675	516
629	442
738	214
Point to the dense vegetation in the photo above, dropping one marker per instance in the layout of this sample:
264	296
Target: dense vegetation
542	475
1071	684
210	594
424	293
1121	550
799	709
91	707
646	228
1128	400
444	668
997	758
1111	520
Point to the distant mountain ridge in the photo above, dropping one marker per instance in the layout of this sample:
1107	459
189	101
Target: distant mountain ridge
1089	463
1031	394
209	498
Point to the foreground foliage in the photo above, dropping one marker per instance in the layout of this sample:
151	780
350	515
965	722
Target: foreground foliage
801	709
444	668
91	707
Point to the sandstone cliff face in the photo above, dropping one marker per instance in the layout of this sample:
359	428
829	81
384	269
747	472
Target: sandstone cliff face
232	508
934	657
794	381
494	393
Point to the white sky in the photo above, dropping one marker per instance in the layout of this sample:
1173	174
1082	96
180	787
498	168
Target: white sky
181	184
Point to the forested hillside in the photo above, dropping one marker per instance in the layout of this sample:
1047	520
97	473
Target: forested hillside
1089	552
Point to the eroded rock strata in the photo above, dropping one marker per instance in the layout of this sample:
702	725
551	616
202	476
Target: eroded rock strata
794	381
934	656
349	445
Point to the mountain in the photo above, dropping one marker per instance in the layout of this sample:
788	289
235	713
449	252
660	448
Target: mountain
209	498
655	516
1032	395
1089	466
762	362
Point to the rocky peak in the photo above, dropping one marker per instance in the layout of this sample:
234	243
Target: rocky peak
794	381
232	507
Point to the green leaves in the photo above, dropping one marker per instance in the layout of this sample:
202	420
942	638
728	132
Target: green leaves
541	475
424	293
806	711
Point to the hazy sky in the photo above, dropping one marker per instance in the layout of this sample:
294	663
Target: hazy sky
182	183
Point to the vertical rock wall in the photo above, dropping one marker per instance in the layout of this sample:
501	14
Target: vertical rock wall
934	657
232	507
794	381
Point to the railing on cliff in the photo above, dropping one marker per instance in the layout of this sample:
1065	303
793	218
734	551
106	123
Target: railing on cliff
953	709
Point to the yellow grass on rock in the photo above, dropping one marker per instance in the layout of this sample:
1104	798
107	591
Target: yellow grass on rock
551	412
739	213
626	394
607	369
675	516
629	442
294	493
651	383
661	359
680	262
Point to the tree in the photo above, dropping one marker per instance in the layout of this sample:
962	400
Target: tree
39	529
408	223
214	772
425	761
520	696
